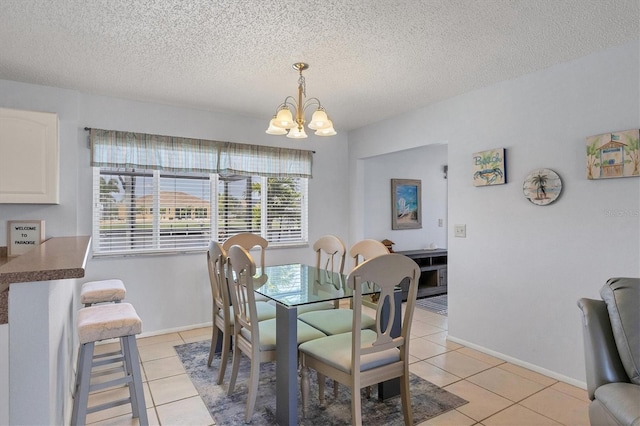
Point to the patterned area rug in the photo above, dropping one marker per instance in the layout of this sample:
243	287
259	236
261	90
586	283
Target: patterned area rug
427	399
437	304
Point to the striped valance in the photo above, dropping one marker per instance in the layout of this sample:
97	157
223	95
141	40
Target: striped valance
113	148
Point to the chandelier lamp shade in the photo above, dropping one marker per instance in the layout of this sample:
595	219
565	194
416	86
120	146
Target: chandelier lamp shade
289	117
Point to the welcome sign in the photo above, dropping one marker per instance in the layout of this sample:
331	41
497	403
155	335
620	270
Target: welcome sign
23	235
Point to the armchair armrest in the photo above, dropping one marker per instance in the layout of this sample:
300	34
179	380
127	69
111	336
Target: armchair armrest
603	364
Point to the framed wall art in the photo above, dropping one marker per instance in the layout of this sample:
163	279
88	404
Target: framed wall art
489	167
406	204
613	155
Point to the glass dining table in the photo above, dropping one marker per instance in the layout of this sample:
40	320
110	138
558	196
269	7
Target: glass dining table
295	285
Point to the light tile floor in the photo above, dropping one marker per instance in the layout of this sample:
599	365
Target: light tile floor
499	393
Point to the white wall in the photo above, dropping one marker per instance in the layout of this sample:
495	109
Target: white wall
514	281
424	163
4	373
168	291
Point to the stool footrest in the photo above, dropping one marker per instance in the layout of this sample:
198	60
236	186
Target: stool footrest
111	383
108	405
108	371
107	361
108	354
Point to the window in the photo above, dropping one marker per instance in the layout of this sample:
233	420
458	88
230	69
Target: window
155	193
152	211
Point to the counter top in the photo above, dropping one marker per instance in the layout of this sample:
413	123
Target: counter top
57	258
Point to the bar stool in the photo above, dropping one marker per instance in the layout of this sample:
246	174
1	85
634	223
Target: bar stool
102	291
100	322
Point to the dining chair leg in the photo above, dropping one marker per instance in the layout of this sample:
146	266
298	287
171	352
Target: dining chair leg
234	370
356	406
214	343
405	397
254	375
304	389
226	347
321	386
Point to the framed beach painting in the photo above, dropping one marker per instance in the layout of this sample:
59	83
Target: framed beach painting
613	155
406	204
489	167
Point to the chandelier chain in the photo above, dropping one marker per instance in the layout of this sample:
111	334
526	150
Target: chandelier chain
302	83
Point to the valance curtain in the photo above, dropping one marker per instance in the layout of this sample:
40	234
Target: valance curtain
113	148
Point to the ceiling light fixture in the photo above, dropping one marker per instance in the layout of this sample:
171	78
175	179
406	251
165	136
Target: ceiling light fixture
283	122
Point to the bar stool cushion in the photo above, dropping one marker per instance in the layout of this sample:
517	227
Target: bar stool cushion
102	291
102	322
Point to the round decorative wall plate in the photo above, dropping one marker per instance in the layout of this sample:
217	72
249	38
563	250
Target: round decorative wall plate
542	186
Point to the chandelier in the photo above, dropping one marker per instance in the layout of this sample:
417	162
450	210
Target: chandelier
283	122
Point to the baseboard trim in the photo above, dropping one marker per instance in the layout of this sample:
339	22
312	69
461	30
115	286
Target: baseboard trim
520	363
174	330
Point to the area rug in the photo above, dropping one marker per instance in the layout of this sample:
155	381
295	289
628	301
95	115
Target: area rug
427	399
437	304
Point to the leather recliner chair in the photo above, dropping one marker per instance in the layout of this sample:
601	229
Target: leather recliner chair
611	331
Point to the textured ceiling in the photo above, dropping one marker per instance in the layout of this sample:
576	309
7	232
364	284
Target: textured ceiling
370	59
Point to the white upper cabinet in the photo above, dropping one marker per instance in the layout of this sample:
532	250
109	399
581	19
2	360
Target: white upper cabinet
29	157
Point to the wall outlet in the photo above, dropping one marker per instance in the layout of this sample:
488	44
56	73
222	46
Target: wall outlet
440	222
460	231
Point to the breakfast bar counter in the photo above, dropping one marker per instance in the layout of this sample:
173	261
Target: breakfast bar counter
38	336
55	259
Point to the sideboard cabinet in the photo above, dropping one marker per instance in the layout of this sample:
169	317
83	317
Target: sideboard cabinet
433	276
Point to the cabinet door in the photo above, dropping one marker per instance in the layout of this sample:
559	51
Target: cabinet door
29	157
442	276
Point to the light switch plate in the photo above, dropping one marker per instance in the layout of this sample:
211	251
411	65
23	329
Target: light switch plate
460	231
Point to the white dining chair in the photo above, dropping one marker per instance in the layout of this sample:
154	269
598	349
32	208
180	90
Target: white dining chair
362	358
340	321
366	249
250	242
223	318
253	338
363	250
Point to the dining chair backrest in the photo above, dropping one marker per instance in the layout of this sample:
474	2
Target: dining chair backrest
248	241
386	271
221	300
240	271
330	248
366	249
216	260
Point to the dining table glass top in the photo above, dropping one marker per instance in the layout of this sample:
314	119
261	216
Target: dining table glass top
298	284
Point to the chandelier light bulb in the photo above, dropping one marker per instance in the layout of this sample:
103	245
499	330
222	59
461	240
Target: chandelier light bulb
319	120
297	133
275	130
284	119
328	131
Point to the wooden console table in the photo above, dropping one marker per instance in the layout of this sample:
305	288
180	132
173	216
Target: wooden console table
433	267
